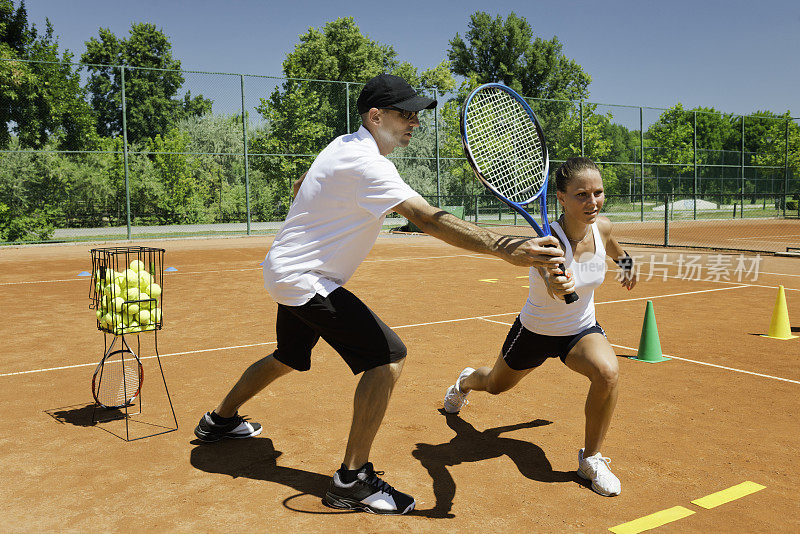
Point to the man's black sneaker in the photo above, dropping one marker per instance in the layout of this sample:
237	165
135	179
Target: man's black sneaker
232	427
368	493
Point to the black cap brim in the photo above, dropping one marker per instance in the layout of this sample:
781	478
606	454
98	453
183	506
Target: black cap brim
416	103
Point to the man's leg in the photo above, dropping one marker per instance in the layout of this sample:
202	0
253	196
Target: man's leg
369	406
254	379
356	486
225	421
295	341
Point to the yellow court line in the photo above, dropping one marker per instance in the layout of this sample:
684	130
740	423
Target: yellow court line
727	495
652	521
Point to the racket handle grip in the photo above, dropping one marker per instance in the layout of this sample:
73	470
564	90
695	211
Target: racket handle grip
569	298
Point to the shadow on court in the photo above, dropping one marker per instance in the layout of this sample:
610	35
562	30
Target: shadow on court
81	414
471	445
256	458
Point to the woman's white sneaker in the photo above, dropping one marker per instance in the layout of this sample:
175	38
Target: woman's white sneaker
454	399
595	468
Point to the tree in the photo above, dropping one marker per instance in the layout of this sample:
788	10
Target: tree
303	115
152	81
505	51
766	135
41	94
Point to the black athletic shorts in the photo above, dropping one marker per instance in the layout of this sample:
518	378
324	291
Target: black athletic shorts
345	323
524	349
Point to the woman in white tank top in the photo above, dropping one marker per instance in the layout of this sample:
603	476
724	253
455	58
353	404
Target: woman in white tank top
548	327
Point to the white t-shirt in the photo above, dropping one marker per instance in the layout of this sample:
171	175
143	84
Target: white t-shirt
334	221
554	317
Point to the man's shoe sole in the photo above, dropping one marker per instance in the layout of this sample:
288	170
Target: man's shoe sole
343	503
212	438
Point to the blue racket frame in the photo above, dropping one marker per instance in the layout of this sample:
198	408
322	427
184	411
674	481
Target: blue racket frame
541	194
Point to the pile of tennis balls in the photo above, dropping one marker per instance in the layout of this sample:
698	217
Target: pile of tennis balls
129	301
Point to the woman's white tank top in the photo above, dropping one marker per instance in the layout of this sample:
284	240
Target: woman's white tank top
554	317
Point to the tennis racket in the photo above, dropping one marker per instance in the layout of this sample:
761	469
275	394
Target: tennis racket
117	380
505	146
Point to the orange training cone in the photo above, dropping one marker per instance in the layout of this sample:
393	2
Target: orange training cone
649	344
779	327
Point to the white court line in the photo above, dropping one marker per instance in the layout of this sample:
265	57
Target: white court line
86	278
424	258
717	366
480	317
642	276
142	358
690	361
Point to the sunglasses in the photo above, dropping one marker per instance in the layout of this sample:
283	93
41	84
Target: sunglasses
407	115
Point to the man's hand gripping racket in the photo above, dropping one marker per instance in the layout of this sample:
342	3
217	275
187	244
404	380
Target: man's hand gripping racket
505	146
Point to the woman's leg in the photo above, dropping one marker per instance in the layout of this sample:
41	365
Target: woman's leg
593	357
494	380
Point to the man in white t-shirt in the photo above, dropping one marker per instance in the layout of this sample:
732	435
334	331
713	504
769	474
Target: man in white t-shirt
332	225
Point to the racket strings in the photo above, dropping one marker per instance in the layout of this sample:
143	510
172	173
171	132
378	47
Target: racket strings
505	144
118	382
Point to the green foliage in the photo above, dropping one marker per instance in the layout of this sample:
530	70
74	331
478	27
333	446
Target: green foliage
44	98
217	141
767	136
304	115
150	87
178	197
505	51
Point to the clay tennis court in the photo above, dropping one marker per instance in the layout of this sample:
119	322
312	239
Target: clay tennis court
721	413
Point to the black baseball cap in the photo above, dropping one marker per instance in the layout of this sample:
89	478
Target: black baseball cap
387	90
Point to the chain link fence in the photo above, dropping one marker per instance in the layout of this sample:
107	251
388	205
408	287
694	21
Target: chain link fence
218	156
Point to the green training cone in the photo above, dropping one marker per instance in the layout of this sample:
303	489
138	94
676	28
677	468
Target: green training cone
649	344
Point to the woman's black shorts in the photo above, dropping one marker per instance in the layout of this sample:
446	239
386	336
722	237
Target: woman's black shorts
524	349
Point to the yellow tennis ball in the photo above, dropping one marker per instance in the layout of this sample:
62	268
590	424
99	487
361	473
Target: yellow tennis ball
155	315
132	293
99	314
108	319
155	290
131	278
144	280
138	265
132	309
144	317
112	290
118	303
104	277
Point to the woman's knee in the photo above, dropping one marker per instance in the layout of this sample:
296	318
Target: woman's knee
495	387
606	373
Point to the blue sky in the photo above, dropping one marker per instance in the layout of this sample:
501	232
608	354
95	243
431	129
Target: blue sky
735	56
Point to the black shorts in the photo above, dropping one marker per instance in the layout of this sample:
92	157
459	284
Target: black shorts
524	349
345	323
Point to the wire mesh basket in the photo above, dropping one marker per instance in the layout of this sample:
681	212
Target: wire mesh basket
127	288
